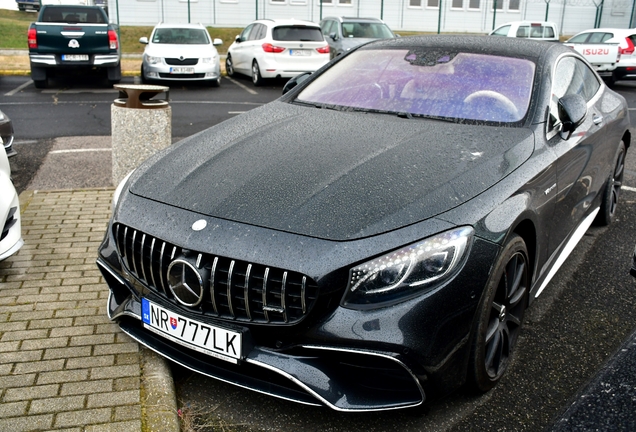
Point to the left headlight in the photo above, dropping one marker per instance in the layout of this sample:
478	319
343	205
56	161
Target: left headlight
408	271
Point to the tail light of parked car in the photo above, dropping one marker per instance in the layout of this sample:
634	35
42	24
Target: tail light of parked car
268	47
323	50
629	50
113	43
33	38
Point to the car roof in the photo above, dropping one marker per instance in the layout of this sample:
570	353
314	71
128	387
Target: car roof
511	47
286	21
354	19
529	22
171	25
609	29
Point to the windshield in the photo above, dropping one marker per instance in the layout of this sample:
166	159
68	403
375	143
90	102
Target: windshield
366	30
454	85
181	36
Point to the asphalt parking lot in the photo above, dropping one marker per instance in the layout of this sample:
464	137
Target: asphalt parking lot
570	333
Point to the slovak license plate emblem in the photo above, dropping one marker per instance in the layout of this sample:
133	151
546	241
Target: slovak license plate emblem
211	340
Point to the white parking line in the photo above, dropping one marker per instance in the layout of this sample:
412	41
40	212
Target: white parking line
80	150
236	112
243	86
628	188
20	87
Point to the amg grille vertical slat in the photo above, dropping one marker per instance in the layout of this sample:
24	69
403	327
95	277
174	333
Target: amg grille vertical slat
265	276
152	260
303	295
132	252
246	292
282	296
161	273
212	284
229	289
127	255
141	260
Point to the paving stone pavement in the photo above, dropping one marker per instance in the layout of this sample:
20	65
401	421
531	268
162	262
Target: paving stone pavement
63	363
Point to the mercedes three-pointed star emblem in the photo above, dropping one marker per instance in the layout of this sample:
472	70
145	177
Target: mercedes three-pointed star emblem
185	282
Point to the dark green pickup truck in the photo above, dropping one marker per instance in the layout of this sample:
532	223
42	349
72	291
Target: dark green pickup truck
73	38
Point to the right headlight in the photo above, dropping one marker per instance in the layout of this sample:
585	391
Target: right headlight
408	271
153	60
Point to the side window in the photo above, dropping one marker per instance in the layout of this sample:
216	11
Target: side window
328	27
582	38
523	32
600	37
259	32
246	33
572	76
502	31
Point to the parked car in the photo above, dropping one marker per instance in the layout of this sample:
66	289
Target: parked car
72	38
544	30
344	33
6	134
626	40
277	49
372	238
181	52
11	235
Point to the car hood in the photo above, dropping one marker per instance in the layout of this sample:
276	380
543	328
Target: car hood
329	174
176	51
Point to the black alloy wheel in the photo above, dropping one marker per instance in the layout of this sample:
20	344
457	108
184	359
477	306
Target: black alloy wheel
500	316
612	190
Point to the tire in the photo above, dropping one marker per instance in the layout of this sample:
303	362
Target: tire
229	66
144	80
257	79
500	316
113	74
612	190
40	84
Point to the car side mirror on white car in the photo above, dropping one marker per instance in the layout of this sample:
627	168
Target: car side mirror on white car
143	40
217	42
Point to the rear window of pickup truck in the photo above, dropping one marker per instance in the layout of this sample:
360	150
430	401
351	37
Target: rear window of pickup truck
73	15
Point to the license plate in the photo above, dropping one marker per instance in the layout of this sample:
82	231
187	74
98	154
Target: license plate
75	57
212	340
299	52
181	70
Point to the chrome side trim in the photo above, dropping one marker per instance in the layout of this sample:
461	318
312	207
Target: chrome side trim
106	267
569	247
73	34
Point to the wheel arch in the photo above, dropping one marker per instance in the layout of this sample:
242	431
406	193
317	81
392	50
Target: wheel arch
528	232
627	138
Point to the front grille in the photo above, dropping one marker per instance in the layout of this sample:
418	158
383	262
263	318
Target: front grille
184	62
9	222
182	76
234	290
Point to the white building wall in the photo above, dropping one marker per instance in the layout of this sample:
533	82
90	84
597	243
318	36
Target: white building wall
571	16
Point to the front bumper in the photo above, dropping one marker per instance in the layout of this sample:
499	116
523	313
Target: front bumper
10	219
201	71
347	359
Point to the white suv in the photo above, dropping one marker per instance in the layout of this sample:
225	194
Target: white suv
543	30
277	49
626	40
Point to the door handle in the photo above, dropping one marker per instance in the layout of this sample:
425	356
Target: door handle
597	119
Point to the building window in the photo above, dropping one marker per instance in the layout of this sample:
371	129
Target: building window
415	3
277	1
344	2
498	4
513	5
298	2
432	3
326	2
229	1
457	4
474	4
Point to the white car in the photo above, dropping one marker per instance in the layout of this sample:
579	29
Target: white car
277	49
626	40
11	236
181	52
542	30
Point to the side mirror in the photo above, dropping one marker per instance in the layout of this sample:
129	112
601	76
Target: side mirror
237	39
295	81
572	112
333	36
217	42
143	40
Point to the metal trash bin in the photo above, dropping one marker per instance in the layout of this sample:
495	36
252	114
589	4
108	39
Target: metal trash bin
140	126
